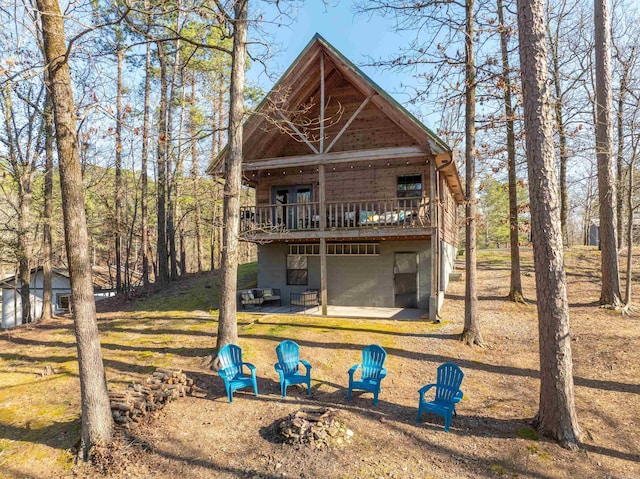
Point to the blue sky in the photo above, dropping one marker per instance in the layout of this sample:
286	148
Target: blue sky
358	37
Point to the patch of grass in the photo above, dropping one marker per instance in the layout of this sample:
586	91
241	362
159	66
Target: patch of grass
498	469
145	355
545	456
277	330
65	460
196	293
528	433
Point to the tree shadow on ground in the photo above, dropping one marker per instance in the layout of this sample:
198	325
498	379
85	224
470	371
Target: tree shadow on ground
463	363
342	328
58	435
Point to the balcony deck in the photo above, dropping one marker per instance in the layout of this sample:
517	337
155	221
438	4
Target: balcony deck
348	219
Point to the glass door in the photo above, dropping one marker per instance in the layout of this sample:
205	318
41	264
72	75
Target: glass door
292	206
281	201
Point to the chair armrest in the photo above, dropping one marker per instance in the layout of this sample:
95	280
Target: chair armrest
458	397
279	370
306	364
383	374
424	389
223	374
353	369
251	367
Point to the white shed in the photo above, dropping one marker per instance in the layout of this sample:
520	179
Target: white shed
12	301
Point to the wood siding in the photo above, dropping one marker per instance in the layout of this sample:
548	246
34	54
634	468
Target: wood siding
360	183
370	129
449	215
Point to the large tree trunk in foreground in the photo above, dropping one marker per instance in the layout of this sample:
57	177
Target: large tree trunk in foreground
96	413
610	292
471	333
227	325
557	415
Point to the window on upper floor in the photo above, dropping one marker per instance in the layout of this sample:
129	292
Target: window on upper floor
410	187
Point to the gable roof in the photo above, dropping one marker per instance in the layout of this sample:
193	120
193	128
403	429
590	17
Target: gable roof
301	81
9	281
101	277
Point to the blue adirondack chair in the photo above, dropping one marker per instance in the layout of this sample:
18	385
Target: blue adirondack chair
288	367
373	372
231	370
448	394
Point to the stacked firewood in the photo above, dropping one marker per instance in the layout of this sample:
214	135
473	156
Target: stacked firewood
140	400
319	428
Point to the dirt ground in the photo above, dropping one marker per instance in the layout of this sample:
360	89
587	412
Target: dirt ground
492	436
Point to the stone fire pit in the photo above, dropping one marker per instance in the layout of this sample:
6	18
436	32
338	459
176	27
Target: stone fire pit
319	428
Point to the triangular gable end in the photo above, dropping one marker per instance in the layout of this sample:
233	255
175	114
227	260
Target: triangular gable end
359	115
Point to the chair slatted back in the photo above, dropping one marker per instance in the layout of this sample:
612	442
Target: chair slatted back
373	357
230	357
288	356
448	383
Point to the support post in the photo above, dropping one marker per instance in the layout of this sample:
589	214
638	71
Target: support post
435	240
323	241
321	103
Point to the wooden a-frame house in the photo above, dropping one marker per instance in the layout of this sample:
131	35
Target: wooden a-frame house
355	197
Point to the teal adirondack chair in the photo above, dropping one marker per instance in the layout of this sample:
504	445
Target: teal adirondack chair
232	370
447	394
288	367
373	372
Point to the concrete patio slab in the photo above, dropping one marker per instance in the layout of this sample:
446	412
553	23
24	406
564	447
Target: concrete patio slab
348	312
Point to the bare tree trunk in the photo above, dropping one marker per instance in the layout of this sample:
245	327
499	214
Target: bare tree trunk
624	81
47	246
194	177
219	133
171	174
161	183
96	413
118	170
227	325
23	177
556	416
178	179
24	252
144	246
554	41
630	230
610	292
515	284
471	334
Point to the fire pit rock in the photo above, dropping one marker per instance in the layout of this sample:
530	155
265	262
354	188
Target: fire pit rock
319	428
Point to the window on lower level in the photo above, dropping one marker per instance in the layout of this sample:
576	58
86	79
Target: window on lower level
63	301
297	270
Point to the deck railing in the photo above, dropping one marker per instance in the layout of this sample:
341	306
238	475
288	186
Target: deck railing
392	213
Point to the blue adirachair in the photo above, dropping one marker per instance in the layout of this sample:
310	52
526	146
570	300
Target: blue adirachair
288	367
373	372
232	370
447	394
